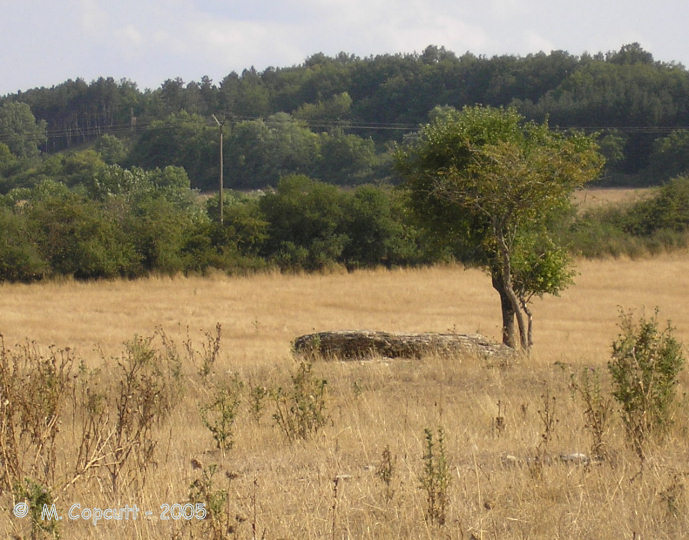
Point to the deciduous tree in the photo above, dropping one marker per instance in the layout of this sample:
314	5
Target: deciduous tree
490	183
19	129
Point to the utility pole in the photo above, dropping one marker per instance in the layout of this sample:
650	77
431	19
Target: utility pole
220	126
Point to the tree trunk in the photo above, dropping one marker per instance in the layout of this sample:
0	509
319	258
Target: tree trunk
523	338
530	330
504	281
507	308
525	307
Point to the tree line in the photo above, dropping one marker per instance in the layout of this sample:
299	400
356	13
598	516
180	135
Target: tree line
81	216
334	118
120	222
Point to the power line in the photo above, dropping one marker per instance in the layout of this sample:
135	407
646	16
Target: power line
90	132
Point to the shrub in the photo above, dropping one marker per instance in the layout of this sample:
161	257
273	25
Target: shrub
647	226
76	237
300	412
19	258
645	366
219	414
306	224
377	235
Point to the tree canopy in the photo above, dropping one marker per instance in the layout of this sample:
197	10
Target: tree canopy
19	129
491	184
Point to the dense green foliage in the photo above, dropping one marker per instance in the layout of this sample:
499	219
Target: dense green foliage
314	225
19	129
131	222
332	117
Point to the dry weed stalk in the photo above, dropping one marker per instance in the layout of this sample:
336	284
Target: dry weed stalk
597	409
385	472
146	392
499	421
34	391
210	351
548	423
435	478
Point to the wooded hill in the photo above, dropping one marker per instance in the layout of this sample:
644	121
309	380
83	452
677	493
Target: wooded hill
102	180
333	118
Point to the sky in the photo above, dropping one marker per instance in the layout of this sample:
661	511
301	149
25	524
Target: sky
46	42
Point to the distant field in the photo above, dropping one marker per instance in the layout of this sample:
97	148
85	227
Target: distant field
595	197
261	314
288	489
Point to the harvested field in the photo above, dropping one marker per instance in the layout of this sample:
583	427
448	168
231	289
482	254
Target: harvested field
330	484
596	197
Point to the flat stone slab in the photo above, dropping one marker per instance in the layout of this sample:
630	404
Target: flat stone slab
362	344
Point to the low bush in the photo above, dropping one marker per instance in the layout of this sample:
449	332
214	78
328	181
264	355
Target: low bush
300	411
645	365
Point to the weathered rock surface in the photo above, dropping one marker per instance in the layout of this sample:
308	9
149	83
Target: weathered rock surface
362	344
576	458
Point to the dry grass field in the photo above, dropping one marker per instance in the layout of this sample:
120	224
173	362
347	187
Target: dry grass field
330	485
595	197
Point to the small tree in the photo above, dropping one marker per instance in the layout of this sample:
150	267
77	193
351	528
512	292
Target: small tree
491	185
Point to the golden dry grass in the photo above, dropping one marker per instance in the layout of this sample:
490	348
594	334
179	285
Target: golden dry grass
381	403
261	314
594	197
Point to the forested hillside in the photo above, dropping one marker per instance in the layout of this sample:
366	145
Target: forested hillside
103	179
332	118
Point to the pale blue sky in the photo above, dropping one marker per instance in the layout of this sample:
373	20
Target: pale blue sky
45	42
